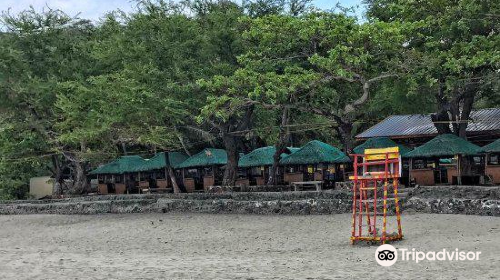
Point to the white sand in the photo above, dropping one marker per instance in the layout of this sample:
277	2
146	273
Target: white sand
197	246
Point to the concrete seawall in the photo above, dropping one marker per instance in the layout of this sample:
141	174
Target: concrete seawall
471	200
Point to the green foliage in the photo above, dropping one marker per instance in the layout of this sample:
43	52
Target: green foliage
453	43
158	78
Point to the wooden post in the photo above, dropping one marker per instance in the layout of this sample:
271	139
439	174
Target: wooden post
125	180
459	178
183	176
409	171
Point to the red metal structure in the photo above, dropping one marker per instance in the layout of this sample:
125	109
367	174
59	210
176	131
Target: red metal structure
375	169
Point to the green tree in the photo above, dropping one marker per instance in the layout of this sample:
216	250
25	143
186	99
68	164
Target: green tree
344	59
38	51
453	53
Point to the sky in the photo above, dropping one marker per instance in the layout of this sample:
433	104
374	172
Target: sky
94	9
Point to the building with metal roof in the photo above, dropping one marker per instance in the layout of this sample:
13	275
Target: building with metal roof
483	127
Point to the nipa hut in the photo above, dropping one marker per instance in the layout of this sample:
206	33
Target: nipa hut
119	175
378	143
386	142
203	169
438	161
315	161
159	172
255	166
492	166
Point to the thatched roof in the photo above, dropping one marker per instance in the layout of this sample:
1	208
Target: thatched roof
124	164
262	156
162	160
380	142
315	152
445	145
207	157
492	147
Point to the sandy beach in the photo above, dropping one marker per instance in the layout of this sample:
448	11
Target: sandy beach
204	246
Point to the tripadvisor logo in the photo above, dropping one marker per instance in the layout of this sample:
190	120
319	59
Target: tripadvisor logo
387	255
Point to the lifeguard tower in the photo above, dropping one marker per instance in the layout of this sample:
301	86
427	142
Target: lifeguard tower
375	170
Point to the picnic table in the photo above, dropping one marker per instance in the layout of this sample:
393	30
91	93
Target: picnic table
297	186
156	190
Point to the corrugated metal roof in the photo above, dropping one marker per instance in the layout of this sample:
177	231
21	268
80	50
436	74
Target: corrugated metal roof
421	124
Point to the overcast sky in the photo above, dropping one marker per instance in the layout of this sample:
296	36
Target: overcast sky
94	9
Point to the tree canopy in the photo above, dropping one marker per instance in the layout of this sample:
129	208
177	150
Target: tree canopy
234	75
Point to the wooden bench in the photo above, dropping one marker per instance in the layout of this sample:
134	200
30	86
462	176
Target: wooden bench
159	190
297	186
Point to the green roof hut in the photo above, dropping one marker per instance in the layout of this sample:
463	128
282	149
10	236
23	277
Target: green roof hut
315	161
386	142
427	166
255	166
204	169
492	166
378	143
118	175
160	173
136	174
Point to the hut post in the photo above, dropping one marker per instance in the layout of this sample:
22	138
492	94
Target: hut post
459	173
166	174
409	171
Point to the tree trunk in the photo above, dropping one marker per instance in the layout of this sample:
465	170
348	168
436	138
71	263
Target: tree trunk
231	132
124	148
80	185
171	174
344	134
468	101
230	173
455	111
442	117
280	146
57	174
